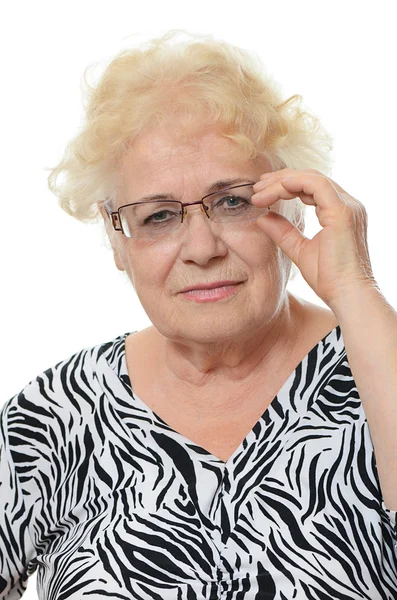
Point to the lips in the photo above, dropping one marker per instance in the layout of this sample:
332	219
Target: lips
209	286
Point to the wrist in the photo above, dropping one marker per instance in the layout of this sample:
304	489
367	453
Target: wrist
353	296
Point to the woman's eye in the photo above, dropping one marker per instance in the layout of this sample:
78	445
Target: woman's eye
161	216
232	201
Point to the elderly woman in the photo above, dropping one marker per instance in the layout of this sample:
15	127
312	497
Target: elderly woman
243	446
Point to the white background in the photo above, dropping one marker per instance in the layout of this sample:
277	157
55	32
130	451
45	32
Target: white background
60	289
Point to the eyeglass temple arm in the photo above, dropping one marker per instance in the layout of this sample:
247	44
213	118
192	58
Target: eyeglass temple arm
113	216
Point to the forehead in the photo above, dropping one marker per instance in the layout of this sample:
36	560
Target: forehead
172	142
171	157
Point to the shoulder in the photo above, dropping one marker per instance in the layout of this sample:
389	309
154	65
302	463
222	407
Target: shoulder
67	385
315	316
55	410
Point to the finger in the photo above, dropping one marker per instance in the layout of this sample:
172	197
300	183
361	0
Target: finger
321	189
283	172
284	234
277	191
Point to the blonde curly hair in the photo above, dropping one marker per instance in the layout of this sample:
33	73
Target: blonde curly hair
200	81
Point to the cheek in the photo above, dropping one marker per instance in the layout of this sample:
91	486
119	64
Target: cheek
149	265
253	246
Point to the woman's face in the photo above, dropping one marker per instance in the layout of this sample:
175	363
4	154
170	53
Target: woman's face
200	251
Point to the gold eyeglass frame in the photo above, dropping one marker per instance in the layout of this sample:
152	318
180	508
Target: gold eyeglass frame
115	219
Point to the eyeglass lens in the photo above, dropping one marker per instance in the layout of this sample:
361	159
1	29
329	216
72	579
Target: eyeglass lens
161	217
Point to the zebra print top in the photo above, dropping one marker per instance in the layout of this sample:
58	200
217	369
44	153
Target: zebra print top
106	500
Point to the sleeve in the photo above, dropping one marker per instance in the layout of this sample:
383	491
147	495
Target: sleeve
16	547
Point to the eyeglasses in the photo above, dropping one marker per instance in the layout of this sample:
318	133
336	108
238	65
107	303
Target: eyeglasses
158	218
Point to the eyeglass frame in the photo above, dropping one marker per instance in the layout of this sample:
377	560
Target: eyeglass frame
115	219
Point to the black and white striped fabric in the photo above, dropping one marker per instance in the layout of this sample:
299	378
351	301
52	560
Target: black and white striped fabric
106	500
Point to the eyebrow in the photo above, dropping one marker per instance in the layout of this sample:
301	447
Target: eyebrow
219	185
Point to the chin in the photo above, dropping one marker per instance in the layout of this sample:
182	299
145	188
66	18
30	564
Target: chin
206	329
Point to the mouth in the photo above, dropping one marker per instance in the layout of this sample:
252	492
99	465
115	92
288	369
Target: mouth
210	286
212	292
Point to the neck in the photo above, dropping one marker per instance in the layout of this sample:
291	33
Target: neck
195	365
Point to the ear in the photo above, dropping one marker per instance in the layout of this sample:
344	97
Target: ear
112	235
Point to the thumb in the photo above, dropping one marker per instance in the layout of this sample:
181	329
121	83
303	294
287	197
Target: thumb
283	233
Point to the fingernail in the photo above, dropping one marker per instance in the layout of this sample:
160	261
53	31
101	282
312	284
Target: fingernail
261	185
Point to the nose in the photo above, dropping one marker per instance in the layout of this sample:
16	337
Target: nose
201	241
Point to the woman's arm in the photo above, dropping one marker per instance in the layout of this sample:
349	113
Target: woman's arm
369	329
16	547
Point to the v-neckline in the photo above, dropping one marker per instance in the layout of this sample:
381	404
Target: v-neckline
159	421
